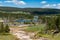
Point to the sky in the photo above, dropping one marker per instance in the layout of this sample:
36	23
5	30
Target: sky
31	3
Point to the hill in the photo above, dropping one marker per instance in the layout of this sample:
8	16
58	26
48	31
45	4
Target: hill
33	11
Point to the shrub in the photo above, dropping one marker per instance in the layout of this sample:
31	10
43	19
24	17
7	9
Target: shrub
7	29
1	28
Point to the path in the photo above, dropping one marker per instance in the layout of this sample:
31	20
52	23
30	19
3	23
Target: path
22	35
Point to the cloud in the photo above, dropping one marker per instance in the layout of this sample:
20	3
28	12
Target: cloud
58	4
1	5
54	5
43	2
46	6
8	1
22	2
50	6
19	2
16	2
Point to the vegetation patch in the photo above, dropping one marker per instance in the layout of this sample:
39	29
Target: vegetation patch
36	28
8	37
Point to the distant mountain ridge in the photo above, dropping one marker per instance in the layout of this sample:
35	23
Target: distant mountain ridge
31	10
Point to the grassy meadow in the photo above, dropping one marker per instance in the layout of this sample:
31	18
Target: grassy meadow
35	28
39	29
7	37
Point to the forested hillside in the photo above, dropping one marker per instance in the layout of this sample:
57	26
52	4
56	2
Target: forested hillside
31	10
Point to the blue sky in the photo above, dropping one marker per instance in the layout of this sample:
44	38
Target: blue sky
31	3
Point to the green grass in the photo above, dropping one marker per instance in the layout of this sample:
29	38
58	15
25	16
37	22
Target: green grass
40	28
50	37
7	37
55	37
35	28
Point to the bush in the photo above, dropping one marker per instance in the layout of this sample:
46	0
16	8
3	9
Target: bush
1	28
7	29
53	23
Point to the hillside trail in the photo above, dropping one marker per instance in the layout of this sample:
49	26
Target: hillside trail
22	35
